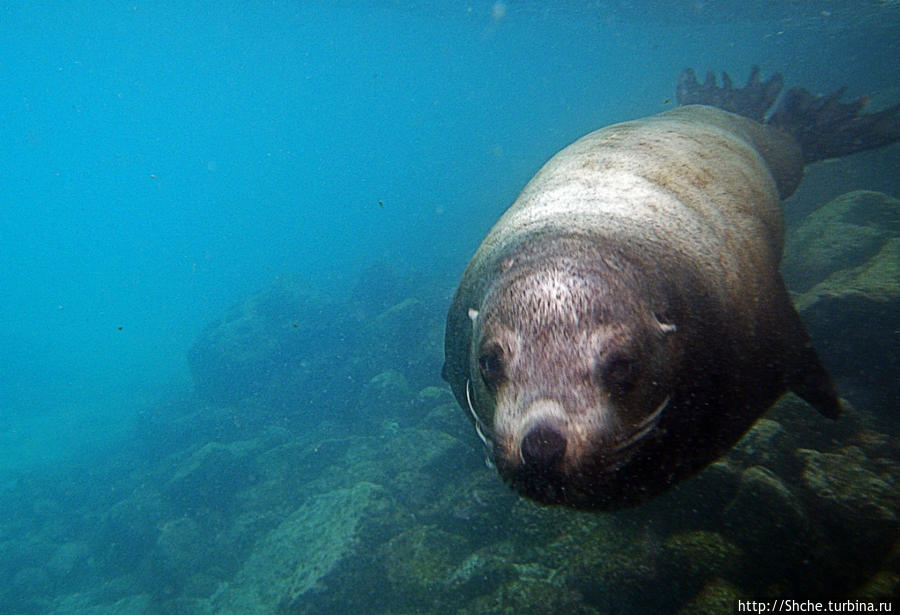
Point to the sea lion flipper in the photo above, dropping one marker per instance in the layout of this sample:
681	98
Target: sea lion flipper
824	126
812	383
828	128
751	101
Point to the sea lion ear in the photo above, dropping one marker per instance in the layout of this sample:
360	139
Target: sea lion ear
664	327
473	314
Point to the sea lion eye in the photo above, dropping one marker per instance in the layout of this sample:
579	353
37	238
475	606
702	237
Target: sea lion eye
490	361
619	373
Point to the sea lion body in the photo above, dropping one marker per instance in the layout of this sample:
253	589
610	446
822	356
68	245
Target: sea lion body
624	322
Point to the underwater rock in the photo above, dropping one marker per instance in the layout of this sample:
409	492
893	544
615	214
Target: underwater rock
534	595
854	501
420	561
848	491
475	505
768	522
180	552
632	573
883	584
432	396
22	550
179	424
613	561
415	489
378	287
70	562
388	393
190	559
876	445
211	476
853	316
30	586
128	530
698	502
180	545
85	604
287	472
277	338
804	428
846	256
717	596
447	417
766	444
842	234
406	337
316	557
381	459
478	574
690	558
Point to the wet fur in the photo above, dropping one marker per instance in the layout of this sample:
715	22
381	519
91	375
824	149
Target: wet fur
671	223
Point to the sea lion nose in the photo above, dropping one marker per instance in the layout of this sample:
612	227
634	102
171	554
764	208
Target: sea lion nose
543	446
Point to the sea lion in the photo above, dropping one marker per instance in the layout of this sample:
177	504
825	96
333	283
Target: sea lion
624	323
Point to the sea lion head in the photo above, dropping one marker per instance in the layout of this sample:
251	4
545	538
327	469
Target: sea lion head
571	369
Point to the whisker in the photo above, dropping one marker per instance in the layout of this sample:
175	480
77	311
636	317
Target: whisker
479	427
642	428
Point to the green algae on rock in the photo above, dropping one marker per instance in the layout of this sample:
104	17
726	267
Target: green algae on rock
841	234
303	555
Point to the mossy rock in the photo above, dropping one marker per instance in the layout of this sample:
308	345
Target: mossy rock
449	418
627	559
318	555
267	338
766	443
212	476
410	449
876	280
716	598
844	486
387	393
400	338
852	317
883	584
422	560
690	558
128	529
479	574
768	522
845	259
432	396
530	596
843	234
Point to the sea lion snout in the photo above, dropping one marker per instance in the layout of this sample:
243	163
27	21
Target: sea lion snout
543	447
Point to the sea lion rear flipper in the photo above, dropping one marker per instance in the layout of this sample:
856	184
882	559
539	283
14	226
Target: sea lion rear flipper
812	383
828	128
751	101
822	125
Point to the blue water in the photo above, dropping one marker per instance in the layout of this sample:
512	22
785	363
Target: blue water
162	160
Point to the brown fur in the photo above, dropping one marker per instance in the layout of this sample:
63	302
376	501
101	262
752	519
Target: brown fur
636	272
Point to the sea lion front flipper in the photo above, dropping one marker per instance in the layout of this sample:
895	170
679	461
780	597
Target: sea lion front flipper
803	372
812	383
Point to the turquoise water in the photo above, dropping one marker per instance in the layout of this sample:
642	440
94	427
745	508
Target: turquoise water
163	161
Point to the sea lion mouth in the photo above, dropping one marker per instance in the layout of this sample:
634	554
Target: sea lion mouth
626	441
613	456
555	485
